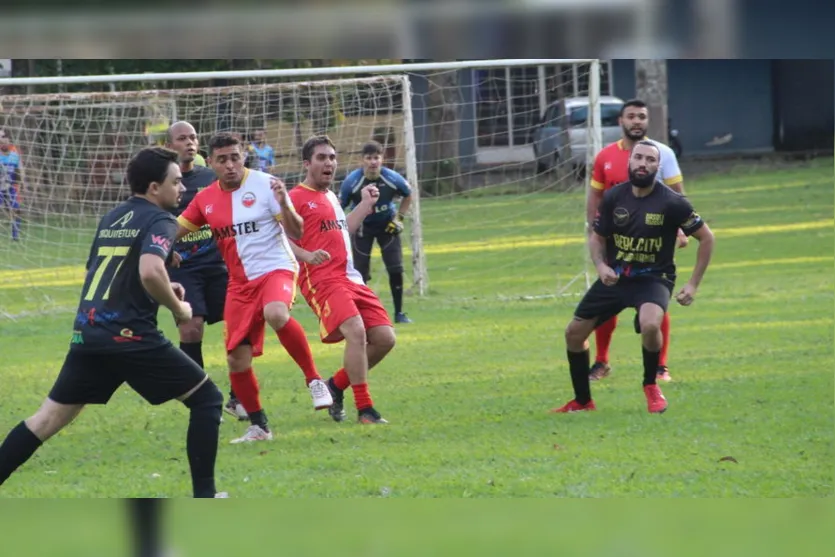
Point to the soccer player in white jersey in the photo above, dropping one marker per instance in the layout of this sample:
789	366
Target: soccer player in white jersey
251	216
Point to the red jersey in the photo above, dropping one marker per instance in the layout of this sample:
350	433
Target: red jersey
611	166
245	225
325	228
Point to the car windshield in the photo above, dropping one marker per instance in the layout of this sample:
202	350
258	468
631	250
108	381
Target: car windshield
609	113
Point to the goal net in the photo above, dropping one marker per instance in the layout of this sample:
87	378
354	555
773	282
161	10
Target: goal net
495	151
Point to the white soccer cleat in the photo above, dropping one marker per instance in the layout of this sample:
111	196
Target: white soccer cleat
320	394
254	433
235	408
222	495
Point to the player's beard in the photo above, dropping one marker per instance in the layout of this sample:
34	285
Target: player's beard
644	181
634	135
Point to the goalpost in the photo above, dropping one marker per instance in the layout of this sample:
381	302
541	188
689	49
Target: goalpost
455	130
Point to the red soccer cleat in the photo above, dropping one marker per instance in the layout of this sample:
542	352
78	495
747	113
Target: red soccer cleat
656	403
574	406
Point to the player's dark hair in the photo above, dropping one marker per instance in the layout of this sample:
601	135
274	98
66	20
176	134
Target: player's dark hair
372	148
311	144
636	103
223	139
151	164
648	143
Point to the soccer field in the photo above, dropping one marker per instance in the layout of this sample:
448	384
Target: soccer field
468	388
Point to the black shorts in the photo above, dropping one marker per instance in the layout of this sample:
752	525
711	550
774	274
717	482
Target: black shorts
390	245
205	290
158	375
603	302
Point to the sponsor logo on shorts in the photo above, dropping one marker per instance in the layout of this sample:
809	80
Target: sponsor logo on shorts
248	199
77	338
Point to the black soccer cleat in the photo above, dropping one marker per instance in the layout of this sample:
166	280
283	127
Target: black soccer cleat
370	416
337	409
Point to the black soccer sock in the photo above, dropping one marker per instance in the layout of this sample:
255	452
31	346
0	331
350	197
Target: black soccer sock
193	350
18	447
396	284
202	438
259	418
580	364
650	365
145	524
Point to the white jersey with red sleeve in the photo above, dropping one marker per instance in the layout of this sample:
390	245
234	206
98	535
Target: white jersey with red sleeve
246	225
325	228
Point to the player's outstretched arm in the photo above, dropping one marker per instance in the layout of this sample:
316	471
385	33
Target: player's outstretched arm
706	241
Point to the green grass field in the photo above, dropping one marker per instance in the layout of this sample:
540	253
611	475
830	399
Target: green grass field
469	385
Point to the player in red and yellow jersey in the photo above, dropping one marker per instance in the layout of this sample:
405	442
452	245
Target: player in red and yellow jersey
611	167
347	309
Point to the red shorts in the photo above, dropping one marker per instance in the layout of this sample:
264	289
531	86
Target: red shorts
336	303
243	314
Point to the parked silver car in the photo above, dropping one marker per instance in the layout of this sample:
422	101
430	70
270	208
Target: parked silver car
561	136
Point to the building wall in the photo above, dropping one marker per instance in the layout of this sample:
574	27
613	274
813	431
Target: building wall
710	98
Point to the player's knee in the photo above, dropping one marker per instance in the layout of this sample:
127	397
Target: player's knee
51	418
576	333
207	399
192	330
276	314
395	270
354	331
239	359
382	337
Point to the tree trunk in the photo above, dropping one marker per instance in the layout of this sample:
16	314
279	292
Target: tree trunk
651	87
444	129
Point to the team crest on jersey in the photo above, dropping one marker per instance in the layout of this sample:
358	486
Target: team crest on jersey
248	199
607	166
620	216
312	204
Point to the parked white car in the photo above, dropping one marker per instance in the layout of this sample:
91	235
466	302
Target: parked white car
562	137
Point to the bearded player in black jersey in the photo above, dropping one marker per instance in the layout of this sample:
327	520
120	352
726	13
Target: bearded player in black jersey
633	248
116	339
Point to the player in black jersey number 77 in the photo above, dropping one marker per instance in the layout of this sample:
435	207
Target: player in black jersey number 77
115	337
633	248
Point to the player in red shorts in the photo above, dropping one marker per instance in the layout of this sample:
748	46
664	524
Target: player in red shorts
251	217
334	289
611	167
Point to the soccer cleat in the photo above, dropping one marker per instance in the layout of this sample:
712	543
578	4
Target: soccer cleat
656	403
254	433
320	393
401	318
221	495
599	370
370	416
337	408
663	374
574	406
235	408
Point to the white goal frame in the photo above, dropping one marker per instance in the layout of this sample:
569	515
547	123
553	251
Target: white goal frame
419	268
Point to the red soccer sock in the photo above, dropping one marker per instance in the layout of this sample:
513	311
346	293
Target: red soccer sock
665	340
341	380
245	385
294	341
362	398
603	338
